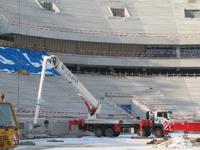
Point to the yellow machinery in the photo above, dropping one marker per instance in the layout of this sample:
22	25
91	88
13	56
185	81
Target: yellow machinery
9	130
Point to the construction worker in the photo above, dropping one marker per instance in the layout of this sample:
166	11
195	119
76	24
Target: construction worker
2	96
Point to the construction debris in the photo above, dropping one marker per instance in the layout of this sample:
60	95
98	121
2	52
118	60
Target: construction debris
180	142
55	140
192	139
175	142
23	72
26	143
155	141
139	137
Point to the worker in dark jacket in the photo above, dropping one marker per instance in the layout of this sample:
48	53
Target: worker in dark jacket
2	96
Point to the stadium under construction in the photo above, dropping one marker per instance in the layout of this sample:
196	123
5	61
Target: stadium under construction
121	50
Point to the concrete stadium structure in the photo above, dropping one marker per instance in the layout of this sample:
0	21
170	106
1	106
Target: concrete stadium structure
60	102
147	22
116	36
103	27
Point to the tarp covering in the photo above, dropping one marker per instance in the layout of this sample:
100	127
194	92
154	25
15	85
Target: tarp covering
13	60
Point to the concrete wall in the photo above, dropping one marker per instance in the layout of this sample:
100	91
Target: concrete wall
78	47
60	101
149	22
129	61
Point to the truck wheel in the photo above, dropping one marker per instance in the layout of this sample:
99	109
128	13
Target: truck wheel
117	134
147	133
98	132
139	133
158	132
109	132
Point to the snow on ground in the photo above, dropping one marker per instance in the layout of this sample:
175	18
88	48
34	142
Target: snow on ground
123	142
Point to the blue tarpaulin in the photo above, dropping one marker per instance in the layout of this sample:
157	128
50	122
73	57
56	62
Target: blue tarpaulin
13	60
127	108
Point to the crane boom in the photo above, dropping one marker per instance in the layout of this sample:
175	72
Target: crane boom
90	101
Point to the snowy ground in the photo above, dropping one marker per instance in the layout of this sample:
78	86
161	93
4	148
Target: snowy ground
123	142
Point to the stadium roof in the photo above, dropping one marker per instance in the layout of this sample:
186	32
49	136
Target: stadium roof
113	21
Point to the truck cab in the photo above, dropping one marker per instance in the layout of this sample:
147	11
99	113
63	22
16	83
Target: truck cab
161	116
161	120
9	131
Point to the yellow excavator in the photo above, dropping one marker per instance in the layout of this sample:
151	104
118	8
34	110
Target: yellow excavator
9	130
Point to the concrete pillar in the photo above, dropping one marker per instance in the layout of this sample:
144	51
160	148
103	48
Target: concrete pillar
178	51
78	68
110	68
178	69
144	69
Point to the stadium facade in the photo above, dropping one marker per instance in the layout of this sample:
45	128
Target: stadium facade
108	36
104	27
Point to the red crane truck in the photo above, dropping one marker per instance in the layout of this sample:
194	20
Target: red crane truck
158	123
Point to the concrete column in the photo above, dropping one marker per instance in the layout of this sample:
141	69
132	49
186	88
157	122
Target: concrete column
178	51
178	69
78	68
111	70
